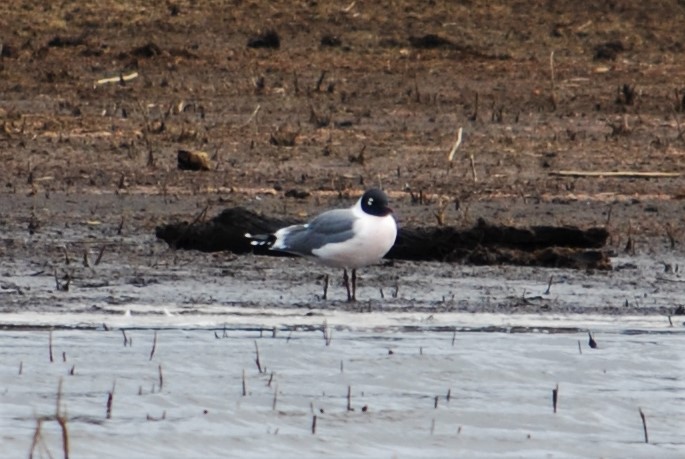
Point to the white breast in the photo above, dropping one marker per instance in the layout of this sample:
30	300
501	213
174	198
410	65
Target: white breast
374	237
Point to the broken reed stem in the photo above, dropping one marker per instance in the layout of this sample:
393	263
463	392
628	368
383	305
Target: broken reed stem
551	70
50	346
580	349
62	421
161	377
314	425
552	79
555	397
591	341
417	94
259	365
549	285
58	400
244	384
117	79
152	418
349	398
154	345
102	249
456	145
644	425
473	168
110	399
253	116
123	332
317	88
36	437
327	333
615	174
435	403
273	404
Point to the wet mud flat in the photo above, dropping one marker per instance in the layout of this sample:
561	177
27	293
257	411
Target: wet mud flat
89	261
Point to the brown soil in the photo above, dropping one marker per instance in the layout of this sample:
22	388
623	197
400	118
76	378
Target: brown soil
355	94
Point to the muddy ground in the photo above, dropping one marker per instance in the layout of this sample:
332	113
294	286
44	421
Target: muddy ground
302	105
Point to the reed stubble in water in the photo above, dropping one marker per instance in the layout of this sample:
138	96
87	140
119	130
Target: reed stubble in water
644	424
154	346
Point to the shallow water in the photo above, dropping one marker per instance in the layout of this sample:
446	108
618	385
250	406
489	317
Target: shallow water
500	387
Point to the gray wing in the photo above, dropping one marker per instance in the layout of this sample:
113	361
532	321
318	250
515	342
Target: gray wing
328	228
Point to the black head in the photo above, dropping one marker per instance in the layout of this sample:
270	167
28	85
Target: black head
375	202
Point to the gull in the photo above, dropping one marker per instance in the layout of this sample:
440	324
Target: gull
341	238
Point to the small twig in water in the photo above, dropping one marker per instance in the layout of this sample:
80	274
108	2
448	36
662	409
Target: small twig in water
555	397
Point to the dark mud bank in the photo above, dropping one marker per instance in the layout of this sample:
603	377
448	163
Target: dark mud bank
482	244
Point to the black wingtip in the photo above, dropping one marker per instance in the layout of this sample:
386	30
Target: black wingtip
261	240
